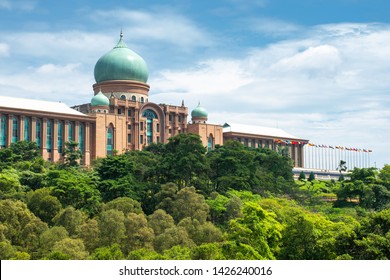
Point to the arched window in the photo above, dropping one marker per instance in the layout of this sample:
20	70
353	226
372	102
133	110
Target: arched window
110	140
133	98
3	131
210	142
123	97
142	100
149	115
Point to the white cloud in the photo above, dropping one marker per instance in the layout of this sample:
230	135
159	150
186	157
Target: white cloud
4	49
65	83
163	25
24	5
272	26
330	86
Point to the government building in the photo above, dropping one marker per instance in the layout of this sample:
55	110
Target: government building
120	118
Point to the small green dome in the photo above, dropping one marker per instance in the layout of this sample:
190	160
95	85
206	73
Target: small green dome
199	112
100	100
121	63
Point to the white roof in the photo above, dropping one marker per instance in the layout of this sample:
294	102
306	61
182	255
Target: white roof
258	130
37	105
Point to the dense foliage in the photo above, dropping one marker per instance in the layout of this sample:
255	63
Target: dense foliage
177	201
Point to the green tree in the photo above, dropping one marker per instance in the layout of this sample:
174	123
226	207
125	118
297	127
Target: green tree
258	229
30	235
71	154
73	248
309	236
7	251
14	216
160	221
166	196
201	233
111	227
311	177
372	240
209	251
49	238
112	252
302	176
188	203
43	204
70	218
384	175
90	234
177	253
124	204
114	167
184	160
74	187
10	186
18	152
231	167
137	233
175	236
366	175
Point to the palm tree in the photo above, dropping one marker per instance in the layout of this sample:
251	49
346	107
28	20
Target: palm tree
342	166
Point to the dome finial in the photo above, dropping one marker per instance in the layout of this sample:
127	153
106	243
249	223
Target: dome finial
121	35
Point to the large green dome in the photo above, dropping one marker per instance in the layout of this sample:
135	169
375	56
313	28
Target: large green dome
121	63
199	112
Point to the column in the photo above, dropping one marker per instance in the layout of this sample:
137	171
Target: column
54	151
21	128
87	146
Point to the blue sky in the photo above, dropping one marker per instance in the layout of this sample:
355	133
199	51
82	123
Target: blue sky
318	69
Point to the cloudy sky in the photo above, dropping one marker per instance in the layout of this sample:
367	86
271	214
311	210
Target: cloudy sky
319	69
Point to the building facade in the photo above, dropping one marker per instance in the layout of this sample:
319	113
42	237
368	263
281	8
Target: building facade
120	117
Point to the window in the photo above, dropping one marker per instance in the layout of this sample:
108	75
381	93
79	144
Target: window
129	127
123	97
179	118
119	111
141	126
210	143
170	131
3	131
149	115
26	130
110	141
15	130
38	127
141	139
70	131
60	132
158	127
170	117
129	138
81	137
133	98
158	139
129	113
142	100
49	134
